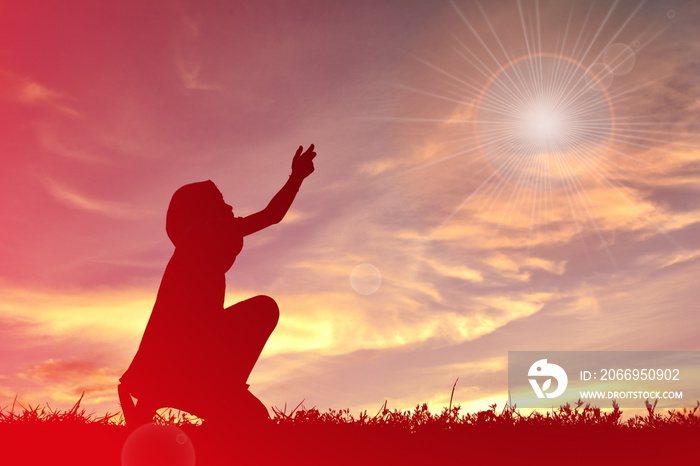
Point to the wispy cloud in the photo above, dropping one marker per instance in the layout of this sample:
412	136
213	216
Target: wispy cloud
30	92
72	198
188	64
189	72
52	142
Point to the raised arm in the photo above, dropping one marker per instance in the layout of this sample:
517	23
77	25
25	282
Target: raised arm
302	166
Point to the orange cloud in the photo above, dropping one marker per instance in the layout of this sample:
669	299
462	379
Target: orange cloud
73	377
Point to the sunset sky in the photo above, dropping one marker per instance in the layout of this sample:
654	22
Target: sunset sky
495	223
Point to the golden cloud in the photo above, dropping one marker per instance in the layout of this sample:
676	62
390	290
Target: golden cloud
117	314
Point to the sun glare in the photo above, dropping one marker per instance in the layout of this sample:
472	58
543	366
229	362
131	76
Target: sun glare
541	119
545	124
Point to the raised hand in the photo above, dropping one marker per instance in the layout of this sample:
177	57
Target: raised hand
302	163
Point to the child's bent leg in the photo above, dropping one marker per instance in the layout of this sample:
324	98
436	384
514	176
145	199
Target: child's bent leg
247	326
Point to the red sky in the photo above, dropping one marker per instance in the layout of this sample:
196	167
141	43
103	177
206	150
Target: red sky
107	108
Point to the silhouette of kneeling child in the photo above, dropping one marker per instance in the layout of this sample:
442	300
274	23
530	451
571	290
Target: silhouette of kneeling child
195	355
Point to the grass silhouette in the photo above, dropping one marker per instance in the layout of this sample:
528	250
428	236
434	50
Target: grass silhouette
579	434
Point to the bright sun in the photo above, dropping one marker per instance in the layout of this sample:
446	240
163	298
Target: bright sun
544	125
541	120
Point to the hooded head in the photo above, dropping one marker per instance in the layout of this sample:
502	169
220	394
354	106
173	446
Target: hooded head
192	208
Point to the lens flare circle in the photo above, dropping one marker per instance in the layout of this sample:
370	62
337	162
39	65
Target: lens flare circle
365	279
620	58
154	445
542	119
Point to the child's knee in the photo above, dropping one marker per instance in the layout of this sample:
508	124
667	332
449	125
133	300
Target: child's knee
268	309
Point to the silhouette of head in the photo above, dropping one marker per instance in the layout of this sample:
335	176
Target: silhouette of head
191	208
